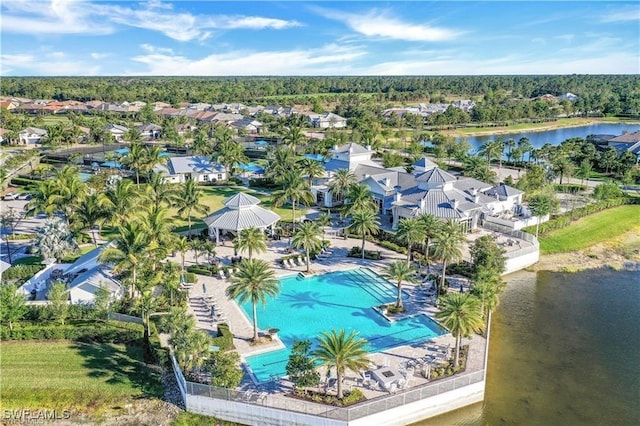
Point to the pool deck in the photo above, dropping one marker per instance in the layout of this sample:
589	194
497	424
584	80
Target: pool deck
242	328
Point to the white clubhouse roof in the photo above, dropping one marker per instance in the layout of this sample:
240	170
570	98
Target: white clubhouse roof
241	211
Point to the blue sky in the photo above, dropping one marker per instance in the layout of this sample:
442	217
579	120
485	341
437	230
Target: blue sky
82	37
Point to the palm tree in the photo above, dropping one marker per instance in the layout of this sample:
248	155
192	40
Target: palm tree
41	199
448	247
460	313
360	198
294	189
341	182
342	351
307	237
183	245
158	226
293	138
411	231
281	162
487	287
136	159
525	146
128	251
399	271
189	201
251	239
311	169
431	230
364	222
255	282
158	192
153	157
323	220
230	154
88	213
120	201
68	190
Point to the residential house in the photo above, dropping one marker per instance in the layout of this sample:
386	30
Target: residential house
116	130
629	142
568	96
248	125
328	120
200	169
31	136
149	131
83	278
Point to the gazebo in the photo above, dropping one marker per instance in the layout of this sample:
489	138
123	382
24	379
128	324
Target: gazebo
241	211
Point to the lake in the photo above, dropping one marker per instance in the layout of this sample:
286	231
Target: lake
555	137
564	350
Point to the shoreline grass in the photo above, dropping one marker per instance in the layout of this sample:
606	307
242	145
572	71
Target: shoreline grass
594	229
80	377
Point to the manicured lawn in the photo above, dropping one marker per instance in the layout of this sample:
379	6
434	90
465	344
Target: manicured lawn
597	228
215	195
67	375
561	122
192	419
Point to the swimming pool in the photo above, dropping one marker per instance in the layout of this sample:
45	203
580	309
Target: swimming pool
250	167
307	307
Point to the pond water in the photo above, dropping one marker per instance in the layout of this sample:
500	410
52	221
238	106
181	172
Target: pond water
564	350
557	136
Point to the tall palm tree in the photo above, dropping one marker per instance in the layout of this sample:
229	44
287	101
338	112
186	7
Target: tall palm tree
41	199
311	169
341	182
183	245
136	159
431	230
410	230
160	193
307	237
364	222
120	201
448	247
281	162
230	154
399	271
128	251
323	220
487	287
294	189
342	351
294	138
460	313
251	240
525	145
359	196
255	282
158	226
189	201
510	144
68	190
153	157
89	213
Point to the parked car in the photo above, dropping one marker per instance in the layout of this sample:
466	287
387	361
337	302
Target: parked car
11	196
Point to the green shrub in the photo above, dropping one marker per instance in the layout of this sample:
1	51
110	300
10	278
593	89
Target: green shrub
190	277
20	273
463	268
353	396
392	246
23	181
84	331
14	237
368	254
224	340
208	270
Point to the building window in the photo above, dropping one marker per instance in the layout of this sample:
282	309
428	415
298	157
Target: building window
205	178
219	176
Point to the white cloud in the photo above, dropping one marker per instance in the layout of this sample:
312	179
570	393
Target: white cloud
379	24
84	17
98	56
153	49
28	64
328	60
538	40
623	14
566	37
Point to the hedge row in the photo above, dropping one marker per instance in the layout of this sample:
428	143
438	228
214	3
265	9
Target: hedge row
23	181
84	332
14	237
565	219
20	272
208	270
368	254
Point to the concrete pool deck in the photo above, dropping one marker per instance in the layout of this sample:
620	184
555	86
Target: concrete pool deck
242	328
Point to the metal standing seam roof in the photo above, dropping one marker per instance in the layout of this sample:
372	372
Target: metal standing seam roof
193	164
436	175
234	219
241	200
503	191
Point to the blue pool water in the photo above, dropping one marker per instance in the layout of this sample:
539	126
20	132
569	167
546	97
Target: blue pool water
307	307
250	167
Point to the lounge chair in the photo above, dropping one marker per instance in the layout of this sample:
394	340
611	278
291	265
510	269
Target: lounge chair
248	394
221	274
262	396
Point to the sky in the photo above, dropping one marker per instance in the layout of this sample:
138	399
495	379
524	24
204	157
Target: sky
229	38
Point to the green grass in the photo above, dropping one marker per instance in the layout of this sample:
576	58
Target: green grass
81	377
215	195
192	419
596	228
28	260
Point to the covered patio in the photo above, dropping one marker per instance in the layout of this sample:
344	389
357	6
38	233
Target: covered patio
241	211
